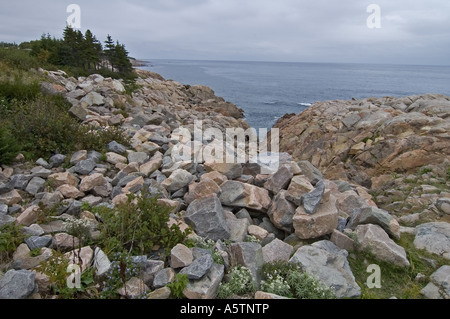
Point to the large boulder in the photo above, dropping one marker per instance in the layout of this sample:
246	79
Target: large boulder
376	216
17	284
177	180
277	250
280	180
439	285
238	194
329	265
282	211
249	255
374	239
311	200
434	237
321	223
206	217
207	286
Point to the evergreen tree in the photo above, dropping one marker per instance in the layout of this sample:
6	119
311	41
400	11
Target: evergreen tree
91	51
121	59
109	51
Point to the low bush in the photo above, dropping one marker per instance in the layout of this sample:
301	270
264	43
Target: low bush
10	238
289	280
241	282
9	145
178	285
139	226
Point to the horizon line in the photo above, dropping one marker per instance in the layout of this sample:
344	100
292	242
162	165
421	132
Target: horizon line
299	62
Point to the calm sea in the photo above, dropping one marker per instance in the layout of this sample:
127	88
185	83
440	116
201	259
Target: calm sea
268	90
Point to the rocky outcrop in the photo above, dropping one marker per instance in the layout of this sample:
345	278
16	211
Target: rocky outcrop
361	139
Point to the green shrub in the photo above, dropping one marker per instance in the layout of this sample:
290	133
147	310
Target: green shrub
20	59
178	285
305	286
19	89
45	126
93	138
138	226
288	280
9	146
10	238
241	282
56	268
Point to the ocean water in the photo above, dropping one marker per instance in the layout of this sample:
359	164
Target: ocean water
268	90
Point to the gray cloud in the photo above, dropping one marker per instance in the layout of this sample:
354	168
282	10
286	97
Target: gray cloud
413	31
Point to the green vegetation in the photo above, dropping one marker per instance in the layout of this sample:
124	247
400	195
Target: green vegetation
240	283
9	146
42	121
56	269
10	238
139	226
396	281
82	54
289	280
178	285
209	244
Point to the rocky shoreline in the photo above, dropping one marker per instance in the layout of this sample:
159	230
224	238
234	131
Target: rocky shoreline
313	210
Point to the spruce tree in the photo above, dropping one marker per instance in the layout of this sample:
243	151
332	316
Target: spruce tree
109	51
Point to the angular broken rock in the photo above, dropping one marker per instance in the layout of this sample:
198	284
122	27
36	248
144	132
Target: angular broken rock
277	250
60	179
249	255
298	187
101	262
89	182
231	171
238	194
374	239
81	256
206	217
180	256
434	237
152	165
29	216
84	167
177	180
280	180
200	266
439	286
11	198
17	284
206	187
133	288
329	265
376	216
65	242
205	288
311	200
281	212
323	222
163	277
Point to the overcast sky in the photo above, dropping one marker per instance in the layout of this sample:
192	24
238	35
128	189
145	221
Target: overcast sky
412	31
